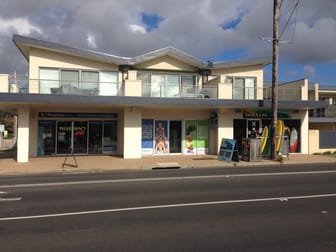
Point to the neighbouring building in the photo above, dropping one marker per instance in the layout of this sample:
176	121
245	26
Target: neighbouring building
164	102
322	121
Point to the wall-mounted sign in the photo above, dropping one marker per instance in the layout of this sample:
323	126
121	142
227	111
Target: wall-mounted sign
77	115
263	113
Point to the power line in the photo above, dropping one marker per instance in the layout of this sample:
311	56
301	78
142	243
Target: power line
289	18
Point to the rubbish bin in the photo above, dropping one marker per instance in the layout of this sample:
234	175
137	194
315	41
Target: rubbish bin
255	149
284	150
251	149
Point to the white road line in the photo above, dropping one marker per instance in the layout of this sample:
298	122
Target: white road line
282	199
164	179
10	199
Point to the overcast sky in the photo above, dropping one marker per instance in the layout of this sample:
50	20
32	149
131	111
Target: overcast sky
215	30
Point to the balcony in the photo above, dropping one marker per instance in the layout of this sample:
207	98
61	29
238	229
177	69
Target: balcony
177	90
213	90
64	87
328	112
284	94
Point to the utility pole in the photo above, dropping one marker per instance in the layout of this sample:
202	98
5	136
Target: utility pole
276	13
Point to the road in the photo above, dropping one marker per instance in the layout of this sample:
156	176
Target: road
289	208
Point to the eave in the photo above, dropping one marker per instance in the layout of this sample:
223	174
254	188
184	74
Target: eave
19	99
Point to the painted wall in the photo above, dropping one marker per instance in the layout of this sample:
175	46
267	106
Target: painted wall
225	125
314	142
176	113
167	63
323	126
42	58
225	88
304	132
3	83
299	86
23	134
132	132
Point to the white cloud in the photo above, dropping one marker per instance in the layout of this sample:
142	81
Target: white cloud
18	25
309	71
116	27
91	40
137	29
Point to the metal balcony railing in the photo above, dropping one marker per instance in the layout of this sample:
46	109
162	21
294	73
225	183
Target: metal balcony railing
284	94
64	87
177	90
328	112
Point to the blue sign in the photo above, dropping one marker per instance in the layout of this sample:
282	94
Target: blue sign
227	149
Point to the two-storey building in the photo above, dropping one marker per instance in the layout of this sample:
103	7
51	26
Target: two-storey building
163	102
322	121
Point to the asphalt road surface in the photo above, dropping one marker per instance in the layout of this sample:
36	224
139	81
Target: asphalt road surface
289	208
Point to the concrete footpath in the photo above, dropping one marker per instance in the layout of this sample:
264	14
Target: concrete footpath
9	166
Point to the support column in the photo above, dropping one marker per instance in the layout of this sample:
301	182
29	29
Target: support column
305	133
225	126
132	132
23	135
132	85
4	83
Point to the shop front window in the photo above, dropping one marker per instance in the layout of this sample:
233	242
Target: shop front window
80	137
95	137
196	136
64	137
110	137
46	138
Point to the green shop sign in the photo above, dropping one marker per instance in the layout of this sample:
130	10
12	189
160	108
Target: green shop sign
263	113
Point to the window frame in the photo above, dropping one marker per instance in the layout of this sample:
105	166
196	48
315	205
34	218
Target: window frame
165	85
80	78
246	90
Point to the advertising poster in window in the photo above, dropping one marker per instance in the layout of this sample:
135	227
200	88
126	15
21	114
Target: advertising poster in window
147	133
161	137
202	137
190	137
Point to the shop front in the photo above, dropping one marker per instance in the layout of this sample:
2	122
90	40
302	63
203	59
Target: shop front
257	124
77	133
174	137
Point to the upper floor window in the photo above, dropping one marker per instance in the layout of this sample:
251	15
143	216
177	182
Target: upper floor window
70	78
243	88
85	82
166	85
49	79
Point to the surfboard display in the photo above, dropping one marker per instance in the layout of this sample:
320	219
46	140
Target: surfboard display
293	142
279	133
264	137
267	149
285	135
284	148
